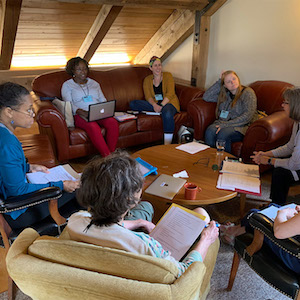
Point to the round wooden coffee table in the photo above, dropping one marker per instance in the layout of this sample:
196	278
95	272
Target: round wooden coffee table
170	160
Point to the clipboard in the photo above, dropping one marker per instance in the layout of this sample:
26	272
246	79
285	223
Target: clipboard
146	168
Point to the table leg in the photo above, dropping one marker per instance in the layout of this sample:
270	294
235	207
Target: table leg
242	204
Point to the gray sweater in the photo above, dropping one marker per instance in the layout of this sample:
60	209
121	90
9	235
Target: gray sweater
241	115
291	150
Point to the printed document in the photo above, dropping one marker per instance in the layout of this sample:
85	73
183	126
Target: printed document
239	177
192	147
271	211
178	229
64	172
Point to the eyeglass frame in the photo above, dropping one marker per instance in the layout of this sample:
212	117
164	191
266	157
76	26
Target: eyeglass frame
30	112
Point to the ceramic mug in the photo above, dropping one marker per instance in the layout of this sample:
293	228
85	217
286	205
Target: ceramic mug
191	190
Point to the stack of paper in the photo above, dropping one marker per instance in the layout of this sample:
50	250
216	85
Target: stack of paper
121	116
239	177
64	172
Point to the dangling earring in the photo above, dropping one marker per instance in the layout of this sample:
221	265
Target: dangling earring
12	122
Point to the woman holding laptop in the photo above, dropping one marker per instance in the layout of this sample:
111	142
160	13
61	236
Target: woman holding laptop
83	91
16	111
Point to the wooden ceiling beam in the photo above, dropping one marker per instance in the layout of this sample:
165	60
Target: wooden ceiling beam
10	13
201	42
99	29
168	37
173	4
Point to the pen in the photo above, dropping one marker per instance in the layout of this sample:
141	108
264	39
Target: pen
217	225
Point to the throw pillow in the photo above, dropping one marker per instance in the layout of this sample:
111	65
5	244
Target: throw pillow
65	108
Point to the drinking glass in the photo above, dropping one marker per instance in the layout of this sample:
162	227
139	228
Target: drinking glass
220	145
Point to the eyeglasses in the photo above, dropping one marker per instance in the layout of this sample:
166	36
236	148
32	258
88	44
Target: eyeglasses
285	102
30	112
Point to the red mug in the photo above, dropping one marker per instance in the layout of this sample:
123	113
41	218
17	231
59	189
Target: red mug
191	190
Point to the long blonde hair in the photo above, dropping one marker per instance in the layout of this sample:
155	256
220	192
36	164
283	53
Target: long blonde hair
223	95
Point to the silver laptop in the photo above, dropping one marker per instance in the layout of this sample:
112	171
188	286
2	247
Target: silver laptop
165	186
101	111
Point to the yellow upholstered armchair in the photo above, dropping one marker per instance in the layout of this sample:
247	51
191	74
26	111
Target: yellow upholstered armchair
59	268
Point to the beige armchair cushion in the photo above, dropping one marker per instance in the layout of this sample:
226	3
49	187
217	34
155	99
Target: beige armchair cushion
104	260
74	274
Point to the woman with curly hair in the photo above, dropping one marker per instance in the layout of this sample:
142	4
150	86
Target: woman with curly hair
83	91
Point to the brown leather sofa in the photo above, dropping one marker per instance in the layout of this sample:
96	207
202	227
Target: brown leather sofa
122	84
264	134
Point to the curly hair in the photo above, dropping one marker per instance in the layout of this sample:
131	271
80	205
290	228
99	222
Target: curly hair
109	186
11	94
292	96
74	62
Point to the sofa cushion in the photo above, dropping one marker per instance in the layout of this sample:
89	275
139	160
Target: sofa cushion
148	122
79	136
104	260
127	127
65	108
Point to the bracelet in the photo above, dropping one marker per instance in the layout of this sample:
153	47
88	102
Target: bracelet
270	161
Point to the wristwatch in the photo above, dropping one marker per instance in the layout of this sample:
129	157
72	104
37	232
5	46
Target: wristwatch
270	161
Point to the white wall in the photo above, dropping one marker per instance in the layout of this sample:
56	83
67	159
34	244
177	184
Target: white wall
259	39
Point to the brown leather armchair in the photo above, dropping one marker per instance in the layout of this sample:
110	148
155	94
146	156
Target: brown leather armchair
122	84
264	134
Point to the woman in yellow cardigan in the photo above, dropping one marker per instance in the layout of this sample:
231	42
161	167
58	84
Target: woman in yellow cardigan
159	91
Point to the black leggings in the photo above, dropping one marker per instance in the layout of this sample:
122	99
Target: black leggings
34	214
282	179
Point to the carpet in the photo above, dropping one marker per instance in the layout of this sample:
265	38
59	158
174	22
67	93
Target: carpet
248	285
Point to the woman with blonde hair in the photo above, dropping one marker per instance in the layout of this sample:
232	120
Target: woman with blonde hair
236	108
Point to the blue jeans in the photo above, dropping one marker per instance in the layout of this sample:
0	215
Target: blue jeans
289	260
227	134
167	113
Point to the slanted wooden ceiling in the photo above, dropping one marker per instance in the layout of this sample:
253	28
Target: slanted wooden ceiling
62	29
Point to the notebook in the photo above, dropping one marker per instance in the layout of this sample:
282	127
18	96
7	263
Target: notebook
165	186
101	111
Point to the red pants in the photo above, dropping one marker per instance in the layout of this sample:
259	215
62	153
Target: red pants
93	130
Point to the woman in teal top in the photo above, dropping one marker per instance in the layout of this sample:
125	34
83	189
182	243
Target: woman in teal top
16	111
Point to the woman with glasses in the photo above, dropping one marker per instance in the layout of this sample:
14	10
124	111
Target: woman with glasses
235	111
111	187
83	91
285	159
16	111
159	90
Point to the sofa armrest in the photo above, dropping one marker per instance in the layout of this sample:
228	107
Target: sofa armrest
203	114
52	123
267	133
186	94
265	226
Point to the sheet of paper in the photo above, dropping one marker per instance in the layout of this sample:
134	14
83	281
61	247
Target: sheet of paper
192	147
271	212
177	230
182	174
58	173
240	168
239	182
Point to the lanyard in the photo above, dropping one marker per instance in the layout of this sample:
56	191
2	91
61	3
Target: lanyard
87	87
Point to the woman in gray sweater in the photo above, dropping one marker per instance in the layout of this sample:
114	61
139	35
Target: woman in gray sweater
285	159
236	108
